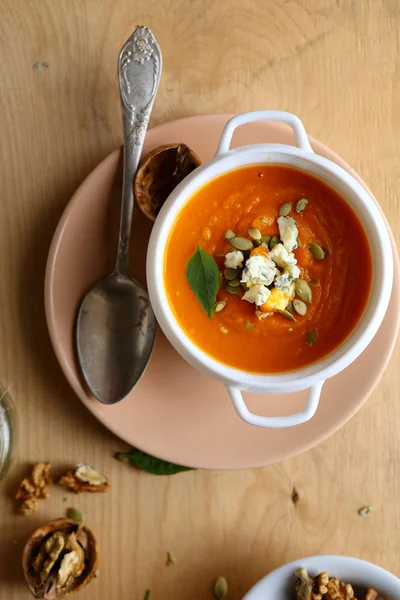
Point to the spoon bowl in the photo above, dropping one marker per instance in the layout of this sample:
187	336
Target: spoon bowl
113	361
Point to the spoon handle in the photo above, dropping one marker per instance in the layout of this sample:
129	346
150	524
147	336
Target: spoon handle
139	72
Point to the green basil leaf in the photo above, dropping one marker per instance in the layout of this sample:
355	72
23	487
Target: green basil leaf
151	464
203	276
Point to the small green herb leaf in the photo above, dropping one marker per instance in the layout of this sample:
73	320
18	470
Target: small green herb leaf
151	464
147	595
203	277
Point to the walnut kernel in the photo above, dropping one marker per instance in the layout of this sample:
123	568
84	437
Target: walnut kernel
74	481
34	487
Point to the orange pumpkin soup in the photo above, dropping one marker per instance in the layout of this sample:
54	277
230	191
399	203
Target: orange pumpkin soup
331	255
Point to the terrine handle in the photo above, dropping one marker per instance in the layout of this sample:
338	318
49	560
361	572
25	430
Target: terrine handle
311	405
264	115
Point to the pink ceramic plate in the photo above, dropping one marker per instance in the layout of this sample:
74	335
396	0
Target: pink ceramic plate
175	412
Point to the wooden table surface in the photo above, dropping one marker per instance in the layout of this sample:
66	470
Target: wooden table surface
335	63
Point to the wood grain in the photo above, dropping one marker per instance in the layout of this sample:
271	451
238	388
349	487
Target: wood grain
333	62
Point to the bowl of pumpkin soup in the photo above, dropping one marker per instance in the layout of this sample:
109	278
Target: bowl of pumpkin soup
270	269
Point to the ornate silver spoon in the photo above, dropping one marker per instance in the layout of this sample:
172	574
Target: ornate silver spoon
116	324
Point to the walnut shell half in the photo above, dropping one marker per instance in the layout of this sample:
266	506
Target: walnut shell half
159	173
60	558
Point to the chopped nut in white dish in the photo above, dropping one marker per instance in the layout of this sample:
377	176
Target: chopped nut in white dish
304	585
259	269
234	259
281	257
279	299
289	274
257	294
324	587
288	232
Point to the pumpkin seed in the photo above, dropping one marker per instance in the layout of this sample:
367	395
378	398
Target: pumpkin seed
264	220
243	285
299	242
229	234
300	307
230	273
301	205
254	233
285	209
365	511
171	560
231	289
313	281
241	243
256	243
249	325
220	588
235	282
290	307
288	315
265	239
75	514
274	242
219	306
311	337
316	251
303	290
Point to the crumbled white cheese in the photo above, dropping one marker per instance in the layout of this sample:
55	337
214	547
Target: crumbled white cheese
281	257
263	315
257	294
288	232
290	273
234	259
259	269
